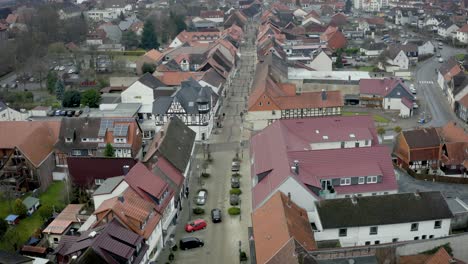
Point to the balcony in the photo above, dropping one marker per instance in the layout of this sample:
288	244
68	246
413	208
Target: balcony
327	194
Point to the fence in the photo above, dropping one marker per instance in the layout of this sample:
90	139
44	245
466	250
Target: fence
437	178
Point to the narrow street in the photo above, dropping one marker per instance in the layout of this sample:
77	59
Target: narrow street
435	102
224	240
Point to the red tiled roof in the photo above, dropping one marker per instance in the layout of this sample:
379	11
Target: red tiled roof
211	14
165	166
145	182
64	219
276	222
337	41
464	101
464	29
380	87
274	149
407	102
173	78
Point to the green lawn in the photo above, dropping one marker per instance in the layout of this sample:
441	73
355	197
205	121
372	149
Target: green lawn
377	118
54	196
460	56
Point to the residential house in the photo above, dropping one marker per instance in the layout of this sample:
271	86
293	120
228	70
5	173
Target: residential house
192	103
338	20
430	22
282	232
112	32
235	18
151	186
110	243
446	73
111	187
201	24
87	172
447	29
389	94
410	49
395	60
119	6
66	223
457	88
454	153
426	48
334	38
192	37
9	114
88	136
216	16
272	99
293	156
461	108
321	61
372	49
31	204
27	153
418	150
462	34
102	15
136	214
359	221
171	152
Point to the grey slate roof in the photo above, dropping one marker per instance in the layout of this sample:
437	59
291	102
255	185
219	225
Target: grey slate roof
356	260
128	22
13	258
374	46
383	210
149	80
178	143
3	106
109	185
77	128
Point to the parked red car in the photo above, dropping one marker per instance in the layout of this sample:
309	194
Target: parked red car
195	225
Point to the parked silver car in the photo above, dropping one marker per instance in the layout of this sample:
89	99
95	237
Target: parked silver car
201	197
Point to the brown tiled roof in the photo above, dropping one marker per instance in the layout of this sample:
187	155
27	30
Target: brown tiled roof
131	210
276	222
422	138
310	100
440	257
464	29
450	68
464	101
64	219
452	132
457	153
173	78
153	55
35	139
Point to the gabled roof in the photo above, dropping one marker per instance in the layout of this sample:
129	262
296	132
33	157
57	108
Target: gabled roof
110	243
382	210
35	139
109	185
464	29
175	78
440	257
64	219
452	132
30	202
84	170
381	87
275	223
450	68
131	210
153	55
422	138
76	129
148	185
175	145
149	80
14	258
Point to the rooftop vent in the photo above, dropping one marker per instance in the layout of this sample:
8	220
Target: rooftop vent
317	132
352	135
325	137
92	234
354	199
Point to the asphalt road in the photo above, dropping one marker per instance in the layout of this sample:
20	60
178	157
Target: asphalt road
222	240
435	103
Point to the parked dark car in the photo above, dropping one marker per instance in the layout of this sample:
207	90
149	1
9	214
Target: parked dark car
70	113
190	242
63	112
50	113
216	215
234	199
235	182
57	113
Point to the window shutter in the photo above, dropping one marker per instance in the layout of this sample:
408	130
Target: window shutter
379	178
354	180
336	182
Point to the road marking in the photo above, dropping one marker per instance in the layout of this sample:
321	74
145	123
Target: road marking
426	82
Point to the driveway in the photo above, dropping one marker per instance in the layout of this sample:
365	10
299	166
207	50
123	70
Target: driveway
406	183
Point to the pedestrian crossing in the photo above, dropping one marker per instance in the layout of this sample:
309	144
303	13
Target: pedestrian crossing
426	82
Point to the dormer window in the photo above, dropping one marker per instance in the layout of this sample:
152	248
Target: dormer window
68	140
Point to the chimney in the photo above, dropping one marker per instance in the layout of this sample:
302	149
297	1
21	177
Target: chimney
295	167
289	199
162	132
121	198
92	234
324	95
125	169
354	199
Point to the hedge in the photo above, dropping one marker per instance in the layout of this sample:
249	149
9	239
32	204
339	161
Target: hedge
234	211
198	210
235	191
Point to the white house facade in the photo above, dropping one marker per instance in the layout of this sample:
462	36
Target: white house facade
462	34
426	49
360	221
322	62
10	114
447	31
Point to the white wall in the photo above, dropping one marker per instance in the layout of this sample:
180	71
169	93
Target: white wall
99	199
321	63
154	240
366	194
9	114
401	60
440	80
462	37
337	145
138	93
175	43
259	119
357	236
299	195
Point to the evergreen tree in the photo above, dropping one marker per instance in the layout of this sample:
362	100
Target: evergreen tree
122	16
178	21
348	6
148	37
59	89
109	151
71	98
20	209
130	39
51	81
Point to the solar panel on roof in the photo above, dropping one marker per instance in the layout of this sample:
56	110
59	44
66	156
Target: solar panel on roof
120	130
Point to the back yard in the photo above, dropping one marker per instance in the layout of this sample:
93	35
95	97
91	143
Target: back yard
55	197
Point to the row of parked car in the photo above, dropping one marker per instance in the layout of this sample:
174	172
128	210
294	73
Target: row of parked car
68	113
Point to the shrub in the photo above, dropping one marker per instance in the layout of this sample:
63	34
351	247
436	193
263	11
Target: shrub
397	129
20	209
243	256
205	175
198	210
171	257
235	191
234	211
174	248
3	227
45	211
